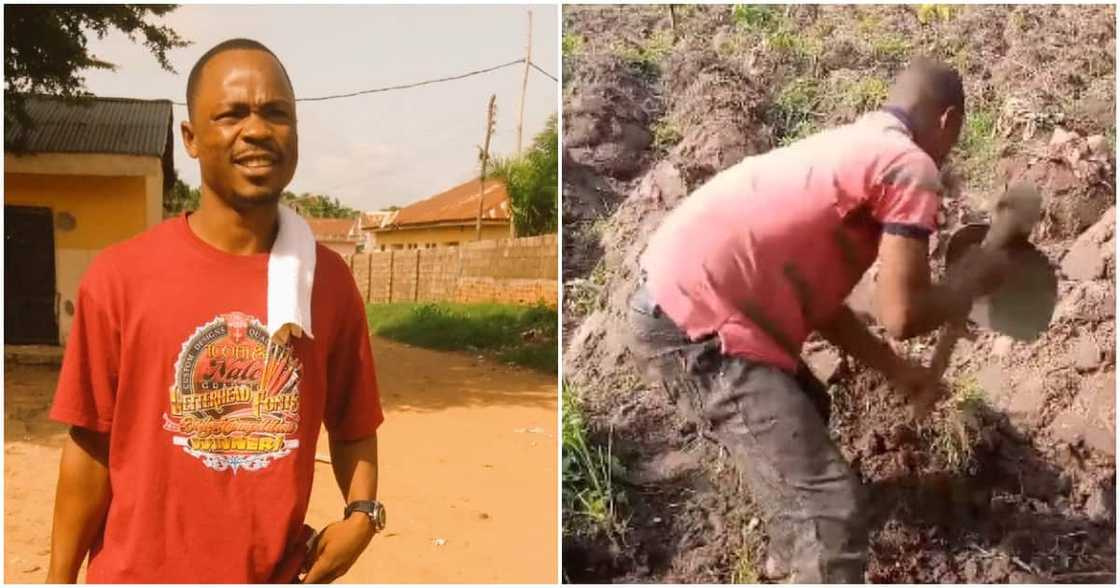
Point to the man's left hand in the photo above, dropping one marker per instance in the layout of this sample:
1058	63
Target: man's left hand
337	548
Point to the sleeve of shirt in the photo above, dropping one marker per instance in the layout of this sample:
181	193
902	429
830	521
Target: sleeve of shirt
353	408
910	195
87	384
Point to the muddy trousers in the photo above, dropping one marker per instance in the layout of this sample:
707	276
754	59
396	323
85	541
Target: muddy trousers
774	426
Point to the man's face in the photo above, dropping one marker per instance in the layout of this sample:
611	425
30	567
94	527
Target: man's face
242	128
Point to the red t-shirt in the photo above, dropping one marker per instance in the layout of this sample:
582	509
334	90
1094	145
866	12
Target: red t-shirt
212	448
769	248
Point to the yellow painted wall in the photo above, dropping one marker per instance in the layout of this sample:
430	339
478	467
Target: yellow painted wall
107	209
442	236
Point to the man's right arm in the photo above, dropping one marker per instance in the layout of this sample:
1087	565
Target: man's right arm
81	502
909	304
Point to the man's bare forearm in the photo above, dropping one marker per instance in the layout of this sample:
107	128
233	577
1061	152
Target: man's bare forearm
81	502
847	332
355	468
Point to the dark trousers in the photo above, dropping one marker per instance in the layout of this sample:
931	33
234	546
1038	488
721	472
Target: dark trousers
774	424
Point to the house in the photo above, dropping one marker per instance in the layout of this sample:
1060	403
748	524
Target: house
448	218
342	235
369	221
84	175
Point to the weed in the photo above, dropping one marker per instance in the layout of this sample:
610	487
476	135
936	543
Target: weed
665	134
586	295
524	335
864	94
795	109
931	13
978	146
755	18
798	46
646	56
571	45
890	46
747	566
955	436
589	497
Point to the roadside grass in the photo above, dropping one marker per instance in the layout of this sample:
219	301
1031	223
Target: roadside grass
590	499
521	335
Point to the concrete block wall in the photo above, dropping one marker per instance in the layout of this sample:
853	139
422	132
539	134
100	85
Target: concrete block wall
517	271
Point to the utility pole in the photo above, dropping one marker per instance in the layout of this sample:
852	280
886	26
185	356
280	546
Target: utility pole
525	81
485	157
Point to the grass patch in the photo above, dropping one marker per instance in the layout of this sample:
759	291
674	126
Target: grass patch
795	109
865	94
934	13
666	134
522	335
645	57
571	45
590	499
587	295
978	147
890	46
800	47
956	435
752	17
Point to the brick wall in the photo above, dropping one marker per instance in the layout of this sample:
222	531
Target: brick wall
519	271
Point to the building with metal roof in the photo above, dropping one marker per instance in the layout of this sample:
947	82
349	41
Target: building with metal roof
449	218
84	174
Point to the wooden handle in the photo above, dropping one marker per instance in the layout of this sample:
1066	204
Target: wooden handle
943	351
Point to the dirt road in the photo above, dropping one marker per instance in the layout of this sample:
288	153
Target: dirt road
468	466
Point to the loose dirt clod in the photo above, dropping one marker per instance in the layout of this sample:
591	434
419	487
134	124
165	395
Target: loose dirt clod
1010	480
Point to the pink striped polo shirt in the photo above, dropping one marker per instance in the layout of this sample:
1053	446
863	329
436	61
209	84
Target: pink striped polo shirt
770	248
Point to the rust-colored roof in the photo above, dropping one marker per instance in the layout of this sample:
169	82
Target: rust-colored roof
457	205
333	229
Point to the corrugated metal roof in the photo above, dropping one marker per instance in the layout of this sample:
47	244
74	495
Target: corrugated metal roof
459	204
94	125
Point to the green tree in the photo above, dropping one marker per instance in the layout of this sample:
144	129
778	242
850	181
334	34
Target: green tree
45	47
317	205
180	198
531	180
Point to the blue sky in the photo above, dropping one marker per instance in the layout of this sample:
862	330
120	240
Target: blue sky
376	150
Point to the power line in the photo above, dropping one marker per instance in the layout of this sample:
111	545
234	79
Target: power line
406	86
537	67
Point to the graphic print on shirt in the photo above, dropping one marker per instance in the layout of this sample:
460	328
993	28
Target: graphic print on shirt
235	395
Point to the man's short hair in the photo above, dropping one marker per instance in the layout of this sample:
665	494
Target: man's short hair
930	82
227	45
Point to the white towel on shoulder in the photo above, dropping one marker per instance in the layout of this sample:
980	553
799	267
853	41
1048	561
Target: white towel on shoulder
291	275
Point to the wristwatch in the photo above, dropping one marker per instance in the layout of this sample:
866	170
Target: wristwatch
371	508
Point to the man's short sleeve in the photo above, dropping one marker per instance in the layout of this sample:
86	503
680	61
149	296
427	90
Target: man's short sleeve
87	384
353	408
909	196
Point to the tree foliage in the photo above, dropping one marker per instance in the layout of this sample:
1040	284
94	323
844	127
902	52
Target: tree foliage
531	180
45	46
182	198
317	205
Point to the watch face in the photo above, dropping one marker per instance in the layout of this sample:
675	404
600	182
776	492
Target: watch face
379	516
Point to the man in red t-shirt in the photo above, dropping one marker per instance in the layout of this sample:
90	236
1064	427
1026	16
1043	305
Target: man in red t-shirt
765	253
193	434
